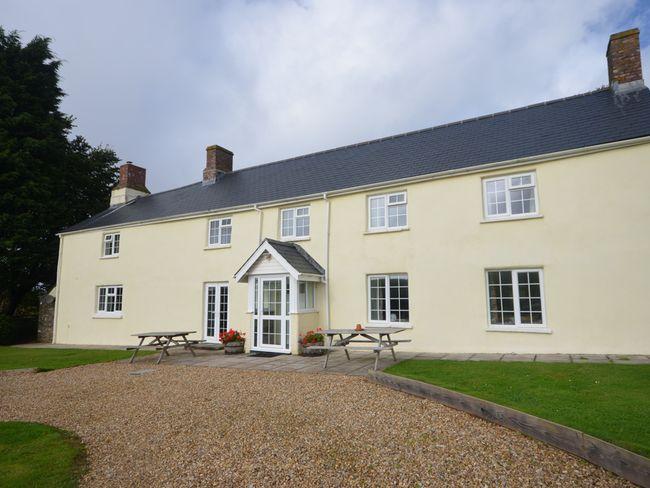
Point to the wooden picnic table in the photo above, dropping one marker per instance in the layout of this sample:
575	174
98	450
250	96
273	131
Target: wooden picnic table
378	338
164	341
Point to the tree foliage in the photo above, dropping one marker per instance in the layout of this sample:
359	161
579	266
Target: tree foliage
48	179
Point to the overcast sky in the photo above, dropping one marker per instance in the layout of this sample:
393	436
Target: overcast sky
158	81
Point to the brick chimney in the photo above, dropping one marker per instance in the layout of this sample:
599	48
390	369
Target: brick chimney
624	61
130	185
218	160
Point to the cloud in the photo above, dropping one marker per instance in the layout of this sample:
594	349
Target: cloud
159	81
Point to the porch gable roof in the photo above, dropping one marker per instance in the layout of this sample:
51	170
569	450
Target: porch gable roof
293	258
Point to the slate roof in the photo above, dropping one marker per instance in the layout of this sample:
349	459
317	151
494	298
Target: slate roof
589	119
297	257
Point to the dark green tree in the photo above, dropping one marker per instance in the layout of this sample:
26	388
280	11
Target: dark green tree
48	180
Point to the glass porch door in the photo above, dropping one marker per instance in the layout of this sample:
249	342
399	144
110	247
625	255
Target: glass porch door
272	320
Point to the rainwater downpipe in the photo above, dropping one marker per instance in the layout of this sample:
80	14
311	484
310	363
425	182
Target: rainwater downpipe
327	260
259	237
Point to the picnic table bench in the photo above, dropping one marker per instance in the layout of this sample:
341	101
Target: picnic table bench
162	341
378	339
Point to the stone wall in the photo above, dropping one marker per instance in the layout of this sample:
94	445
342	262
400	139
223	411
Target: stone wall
45	319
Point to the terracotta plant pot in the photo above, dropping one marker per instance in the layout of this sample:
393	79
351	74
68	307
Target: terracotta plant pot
304	351
234	347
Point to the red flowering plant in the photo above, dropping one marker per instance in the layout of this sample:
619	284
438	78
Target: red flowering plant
231	336
312	337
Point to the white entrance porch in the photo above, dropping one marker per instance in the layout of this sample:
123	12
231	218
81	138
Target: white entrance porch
282	288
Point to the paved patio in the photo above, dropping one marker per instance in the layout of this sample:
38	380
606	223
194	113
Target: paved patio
361	361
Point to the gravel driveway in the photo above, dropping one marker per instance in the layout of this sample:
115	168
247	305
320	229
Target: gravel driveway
183	426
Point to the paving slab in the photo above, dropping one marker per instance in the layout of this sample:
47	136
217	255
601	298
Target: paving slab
553	358
486	357
629	359
430	356
518	357
457	356
590	358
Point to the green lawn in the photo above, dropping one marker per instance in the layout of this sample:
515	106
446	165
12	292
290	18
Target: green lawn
609	401
48	359
38	455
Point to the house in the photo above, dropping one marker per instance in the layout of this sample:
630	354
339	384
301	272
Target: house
524	231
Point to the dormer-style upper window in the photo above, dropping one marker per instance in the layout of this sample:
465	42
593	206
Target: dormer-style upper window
111	245
387	212
510	196
220	232
294	223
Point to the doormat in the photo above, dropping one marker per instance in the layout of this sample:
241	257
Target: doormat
262	354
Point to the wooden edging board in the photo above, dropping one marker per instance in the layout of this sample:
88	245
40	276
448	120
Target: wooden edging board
624	463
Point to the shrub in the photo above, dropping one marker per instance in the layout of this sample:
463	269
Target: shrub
17	330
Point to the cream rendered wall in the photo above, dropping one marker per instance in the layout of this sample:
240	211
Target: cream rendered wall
163	268
593	243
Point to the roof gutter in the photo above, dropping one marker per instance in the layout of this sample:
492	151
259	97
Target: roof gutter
479	168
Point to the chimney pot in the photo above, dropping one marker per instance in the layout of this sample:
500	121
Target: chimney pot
624	61
218	160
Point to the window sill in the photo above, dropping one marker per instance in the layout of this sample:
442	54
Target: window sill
222	246
306	310
512	217
112	256
108	315
385	231
507	328
295	239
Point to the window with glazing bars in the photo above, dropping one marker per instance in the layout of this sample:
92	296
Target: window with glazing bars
508	196
387	211
515	297
388	298
220	232
109	299
111	244
294	222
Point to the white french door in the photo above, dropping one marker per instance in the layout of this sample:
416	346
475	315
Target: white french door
271	318
216	311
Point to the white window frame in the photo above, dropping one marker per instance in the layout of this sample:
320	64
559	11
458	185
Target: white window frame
99	312
508	215
112	239
206	289
387	322
515	297
387	204
219	242
293	236
310	289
